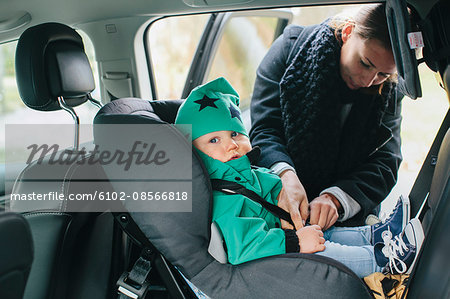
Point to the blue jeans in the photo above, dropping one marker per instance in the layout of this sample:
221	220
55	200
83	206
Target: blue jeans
352	247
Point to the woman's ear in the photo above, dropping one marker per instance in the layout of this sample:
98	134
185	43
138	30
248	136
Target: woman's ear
347	31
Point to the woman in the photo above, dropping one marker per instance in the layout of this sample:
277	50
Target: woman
327	117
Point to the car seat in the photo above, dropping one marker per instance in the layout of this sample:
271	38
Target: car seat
53	73
183	237
16	254
431	276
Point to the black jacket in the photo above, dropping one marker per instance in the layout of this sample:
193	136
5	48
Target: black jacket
368	178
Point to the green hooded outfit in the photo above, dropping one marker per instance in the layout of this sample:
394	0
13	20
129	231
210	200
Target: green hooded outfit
249	230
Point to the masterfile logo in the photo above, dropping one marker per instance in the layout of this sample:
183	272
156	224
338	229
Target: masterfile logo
141	153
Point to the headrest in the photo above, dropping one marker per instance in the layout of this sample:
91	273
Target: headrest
133	111
51	63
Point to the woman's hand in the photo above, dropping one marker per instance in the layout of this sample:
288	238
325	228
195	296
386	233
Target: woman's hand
324	210
292	198
310	239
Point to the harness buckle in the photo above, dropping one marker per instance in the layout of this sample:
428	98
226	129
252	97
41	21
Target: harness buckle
130	288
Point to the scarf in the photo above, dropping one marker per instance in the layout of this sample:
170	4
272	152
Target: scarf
312	97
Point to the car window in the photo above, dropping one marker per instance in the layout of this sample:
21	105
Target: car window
172	43
243	45
14	111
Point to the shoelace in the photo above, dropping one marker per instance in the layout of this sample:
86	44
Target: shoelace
386	236
391	249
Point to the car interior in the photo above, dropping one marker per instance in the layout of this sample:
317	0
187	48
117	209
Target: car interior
113	249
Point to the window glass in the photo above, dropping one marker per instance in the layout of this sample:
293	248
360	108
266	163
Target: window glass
243	45
14	111
172	43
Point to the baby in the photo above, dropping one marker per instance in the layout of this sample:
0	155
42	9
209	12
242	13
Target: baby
249	230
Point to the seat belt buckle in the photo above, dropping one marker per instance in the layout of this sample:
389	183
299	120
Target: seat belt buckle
130	288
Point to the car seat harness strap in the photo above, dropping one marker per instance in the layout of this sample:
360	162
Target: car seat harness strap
229	187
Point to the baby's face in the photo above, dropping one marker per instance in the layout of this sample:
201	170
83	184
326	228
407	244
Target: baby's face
223	145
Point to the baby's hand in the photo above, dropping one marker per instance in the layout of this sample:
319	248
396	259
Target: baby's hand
310	239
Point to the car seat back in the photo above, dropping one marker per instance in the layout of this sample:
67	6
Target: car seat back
53	73
431	276
434	172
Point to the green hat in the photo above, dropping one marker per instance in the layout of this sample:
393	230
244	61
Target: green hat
211	107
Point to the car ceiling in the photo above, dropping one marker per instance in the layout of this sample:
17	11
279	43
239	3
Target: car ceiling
76	12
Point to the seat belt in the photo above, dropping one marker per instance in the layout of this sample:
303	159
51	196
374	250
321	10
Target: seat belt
421	187
231	188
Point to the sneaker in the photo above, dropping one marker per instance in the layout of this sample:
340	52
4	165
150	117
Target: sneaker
393	224
398	255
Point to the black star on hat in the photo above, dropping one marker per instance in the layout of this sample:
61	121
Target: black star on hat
206	102
235	113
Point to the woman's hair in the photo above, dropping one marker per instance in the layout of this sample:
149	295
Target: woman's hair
370	23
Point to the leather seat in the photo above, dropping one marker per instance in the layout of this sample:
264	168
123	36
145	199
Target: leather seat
431	274
16	254
53	73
